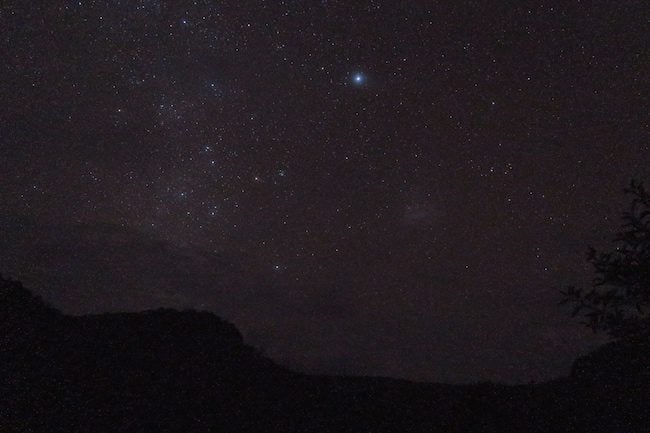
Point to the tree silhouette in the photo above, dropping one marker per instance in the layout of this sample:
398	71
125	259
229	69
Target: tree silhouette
619	299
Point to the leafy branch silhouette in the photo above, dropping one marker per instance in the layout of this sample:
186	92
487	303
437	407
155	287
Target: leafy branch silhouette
618	301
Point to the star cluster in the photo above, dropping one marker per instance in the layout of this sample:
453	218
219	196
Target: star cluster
395	178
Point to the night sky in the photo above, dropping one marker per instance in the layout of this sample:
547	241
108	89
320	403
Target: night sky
361	187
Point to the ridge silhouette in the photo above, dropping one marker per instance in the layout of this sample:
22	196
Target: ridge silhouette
189	371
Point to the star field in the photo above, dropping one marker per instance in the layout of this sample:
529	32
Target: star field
361	187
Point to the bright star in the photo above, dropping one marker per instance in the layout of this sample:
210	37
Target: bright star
358	78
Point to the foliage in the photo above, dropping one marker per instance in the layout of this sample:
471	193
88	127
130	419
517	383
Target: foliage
619	299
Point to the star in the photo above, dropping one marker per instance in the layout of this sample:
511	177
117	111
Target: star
358	78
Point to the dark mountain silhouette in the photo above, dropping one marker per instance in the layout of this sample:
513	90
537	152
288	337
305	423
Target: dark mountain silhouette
189	371
617	361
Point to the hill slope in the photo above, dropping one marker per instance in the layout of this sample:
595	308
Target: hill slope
171	371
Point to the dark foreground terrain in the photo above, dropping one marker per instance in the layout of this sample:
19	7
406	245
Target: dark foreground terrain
170	371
